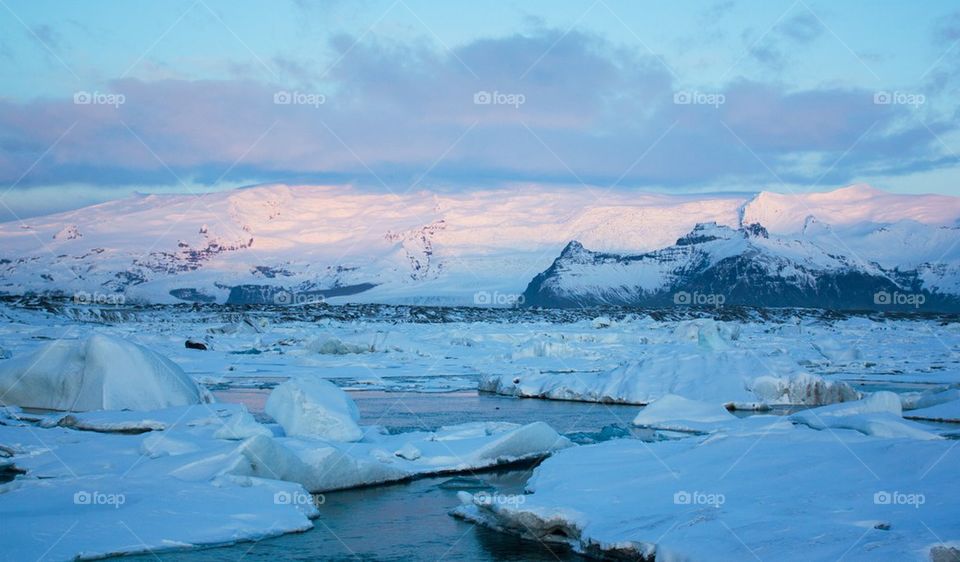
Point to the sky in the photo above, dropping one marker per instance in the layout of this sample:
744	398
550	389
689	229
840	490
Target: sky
102	99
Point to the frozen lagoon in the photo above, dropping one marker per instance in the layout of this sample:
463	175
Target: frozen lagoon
408	364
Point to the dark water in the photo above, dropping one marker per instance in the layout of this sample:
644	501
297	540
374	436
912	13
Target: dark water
397	522
427	411
411	521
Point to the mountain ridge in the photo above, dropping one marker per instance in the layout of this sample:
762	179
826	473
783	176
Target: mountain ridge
429	247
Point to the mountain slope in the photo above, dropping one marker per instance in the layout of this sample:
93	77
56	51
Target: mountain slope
299	243
717	265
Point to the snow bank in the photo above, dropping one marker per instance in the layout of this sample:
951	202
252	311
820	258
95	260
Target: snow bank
773	492
97	373
879	415
732	377
316	408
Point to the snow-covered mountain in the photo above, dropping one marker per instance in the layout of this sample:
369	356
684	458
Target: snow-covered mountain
717	265
289	244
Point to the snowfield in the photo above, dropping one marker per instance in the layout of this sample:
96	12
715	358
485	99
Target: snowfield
109	442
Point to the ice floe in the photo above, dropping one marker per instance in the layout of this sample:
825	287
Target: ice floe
676	413
99	372
879	414
314	407
734	377
760	489
208	474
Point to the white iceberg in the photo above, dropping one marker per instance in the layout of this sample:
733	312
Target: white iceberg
95	517
739	378
879	415
920	400
944	412
322	466
99	372
763	490
192	483
676	413
316	408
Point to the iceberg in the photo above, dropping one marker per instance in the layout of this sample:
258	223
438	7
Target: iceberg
737	378
879	415
759	489
314	407
99	372
676	413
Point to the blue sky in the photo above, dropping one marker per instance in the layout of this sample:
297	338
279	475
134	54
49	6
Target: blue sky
102	98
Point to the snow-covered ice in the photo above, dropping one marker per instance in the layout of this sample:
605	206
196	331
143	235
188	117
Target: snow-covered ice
879	414
209	474
316	408
676	413
761	489
704	367
99	372
685	369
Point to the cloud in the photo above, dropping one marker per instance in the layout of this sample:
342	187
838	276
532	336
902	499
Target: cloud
47	36
771	50
801	28
546	106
